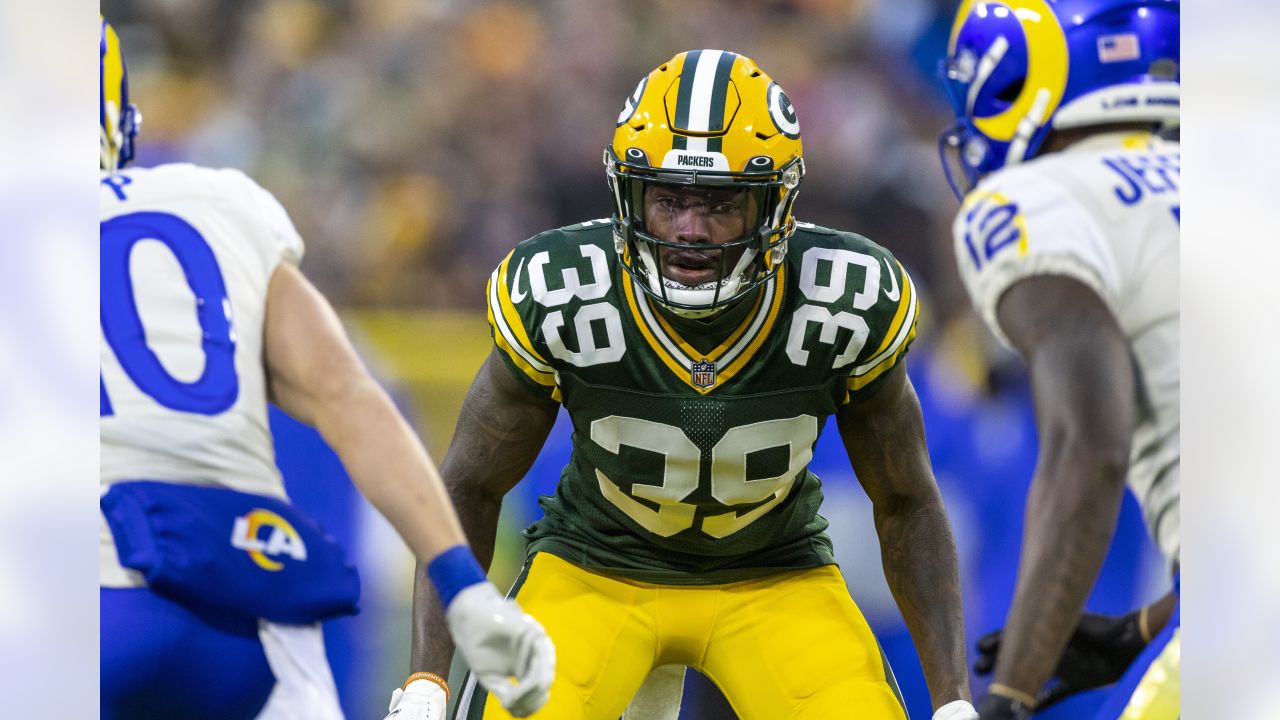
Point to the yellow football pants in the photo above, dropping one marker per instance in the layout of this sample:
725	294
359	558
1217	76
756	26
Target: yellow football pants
792	645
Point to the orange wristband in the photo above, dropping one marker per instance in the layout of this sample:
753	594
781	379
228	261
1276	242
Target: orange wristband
428	676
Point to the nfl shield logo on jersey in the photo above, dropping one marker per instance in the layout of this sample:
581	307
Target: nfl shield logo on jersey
703	373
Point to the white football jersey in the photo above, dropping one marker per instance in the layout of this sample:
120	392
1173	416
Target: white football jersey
1105	211
186	256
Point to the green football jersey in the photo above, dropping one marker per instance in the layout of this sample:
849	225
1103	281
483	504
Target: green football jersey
692	439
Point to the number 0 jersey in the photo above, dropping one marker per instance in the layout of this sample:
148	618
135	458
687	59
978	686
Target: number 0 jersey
691	439
186	256
1105	211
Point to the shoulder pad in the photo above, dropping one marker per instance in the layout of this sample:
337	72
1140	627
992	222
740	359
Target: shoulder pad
546	277
1008	231
849	282
260	206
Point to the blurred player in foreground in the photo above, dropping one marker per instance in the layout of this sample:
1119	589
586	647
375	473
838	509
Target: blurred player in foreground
699	340
213	586
1068	244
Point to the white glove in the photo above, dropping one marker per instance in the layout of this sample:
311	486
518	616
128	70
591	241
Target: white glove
956	710
500	642
421	699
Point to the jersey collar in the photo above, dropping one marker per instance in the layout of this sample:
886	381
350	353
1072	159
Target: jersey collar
706	371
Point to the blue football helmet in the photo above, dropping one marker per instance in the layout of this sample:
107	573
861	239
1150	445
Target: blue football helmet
118	119
1017	69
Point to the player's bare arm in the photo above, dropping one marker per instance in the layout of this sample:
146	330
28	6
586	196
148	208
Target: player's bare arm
884	436
500	431
1083	386
316	376
1100	651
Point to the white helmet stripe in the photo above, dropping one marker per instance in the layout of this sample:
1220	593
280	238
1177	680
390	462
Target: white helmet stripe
704	81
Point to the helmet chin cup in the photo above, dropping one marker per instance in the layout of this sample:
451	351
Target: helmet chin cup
700	301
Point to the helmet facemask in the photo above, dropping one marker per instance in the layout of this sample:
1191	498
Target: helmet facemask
742	264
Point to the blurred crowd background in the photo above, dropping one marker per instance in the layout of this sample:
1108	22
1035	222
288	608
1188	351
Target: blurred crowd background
414	142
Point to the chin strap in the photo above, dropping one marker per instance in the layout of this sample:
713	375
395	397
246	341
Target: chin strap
729	286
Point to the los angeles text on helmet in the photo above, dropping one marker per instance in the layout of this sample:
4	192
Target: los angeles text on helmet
1135	101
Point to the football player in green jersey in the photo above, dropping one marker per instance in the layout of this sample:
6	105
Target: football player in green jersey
699	340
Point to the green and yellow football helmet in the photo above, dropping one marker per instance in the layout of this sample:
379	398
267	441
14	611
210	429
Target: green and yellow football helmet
706	118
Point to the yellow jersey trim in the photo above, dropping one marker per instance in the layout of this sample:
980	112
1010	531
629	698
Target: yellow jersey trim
715	354
658	350
510	336
904	303
679	356
896	342
778	291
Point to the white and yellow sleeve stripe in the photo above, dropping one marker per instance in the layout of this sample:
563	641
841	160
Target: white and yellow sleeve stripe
510	336
902	330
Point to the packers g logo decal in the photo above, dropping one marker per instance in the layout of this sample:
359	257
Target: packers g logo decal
782	113
632	103
282	539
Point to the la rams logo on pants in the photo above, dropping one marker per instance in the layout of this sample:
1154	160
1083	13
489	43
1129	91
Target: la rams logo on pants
264	535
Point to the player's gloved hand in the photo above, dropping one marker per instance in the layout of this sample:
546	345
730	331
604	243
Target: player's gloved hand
956	710
423	697
999	707
1099	651
500	644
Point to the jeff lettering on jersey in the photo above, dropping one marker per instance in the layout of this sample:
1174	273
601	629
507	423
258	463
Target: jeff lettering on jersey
692	439
1106	212
190	252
